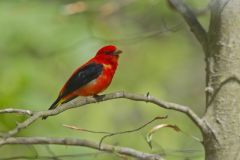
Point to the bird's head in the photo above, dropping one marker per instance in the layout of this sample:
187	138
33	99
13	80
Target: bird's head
109	51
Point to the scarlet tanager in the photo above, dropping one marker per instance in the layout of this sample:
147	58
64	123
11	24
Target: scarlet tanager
91	78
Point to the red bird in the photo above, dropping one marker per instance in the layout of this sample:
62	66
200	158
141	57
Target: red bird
91	78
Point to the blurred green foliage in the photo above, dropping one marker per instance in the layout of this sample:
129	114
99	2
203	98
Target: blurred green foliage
41	43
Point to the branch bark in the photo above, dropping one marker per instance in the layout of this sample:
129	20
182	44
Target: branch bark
223	75
19	111
79	142
192	22
88	100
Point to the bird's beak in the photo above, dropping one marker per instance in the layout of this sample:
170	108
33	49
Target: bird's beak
117	52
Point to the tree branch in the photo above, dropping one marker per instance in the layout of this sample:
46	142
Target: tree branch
79	142
81	101
192	21
60	156
19	111
110	134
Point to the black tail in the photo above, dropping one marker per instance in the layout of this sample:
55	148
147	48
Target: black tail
54	105
57	102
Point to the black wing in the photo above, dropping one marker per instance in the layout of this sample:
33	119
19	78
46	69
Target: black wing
83	76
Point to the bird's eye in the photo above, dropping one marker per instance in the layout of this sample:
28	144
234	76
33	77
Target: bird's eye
107	52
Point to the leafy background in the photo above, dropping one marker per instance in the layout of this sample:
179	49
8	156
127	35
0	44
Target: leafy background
42	42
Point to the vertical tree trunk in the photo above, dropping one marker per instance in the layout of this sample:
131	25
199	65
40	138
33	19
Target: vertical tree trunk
223	82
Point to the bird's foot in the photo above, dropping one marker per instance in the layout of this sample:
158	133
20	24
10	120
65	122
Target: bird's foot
98	97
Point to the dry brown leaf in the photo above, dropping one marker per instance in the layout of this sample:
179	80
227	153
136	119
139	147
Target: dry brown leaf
156	128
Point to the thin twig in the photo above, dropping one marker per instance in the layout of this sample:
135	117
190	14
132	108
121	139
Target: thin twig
54	156
79	142
110	134
85	130
129	131
140	37
88	100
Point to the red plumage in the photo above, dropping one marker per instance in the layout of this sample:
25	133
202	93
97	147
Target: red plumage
92	77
